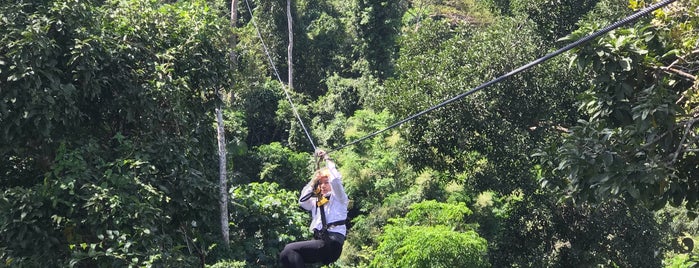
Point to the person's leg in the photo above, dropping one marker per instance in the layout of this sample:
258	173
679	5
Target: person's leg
333	248
297	254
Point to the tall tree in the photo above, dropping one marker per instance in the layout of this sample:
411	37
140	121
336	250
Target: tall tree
639	137
553	18
431	234
222	177
290	47
114	99
498	127
378	24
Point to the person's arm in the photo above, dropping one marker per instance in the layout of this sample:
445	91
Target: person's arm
336	181
308	203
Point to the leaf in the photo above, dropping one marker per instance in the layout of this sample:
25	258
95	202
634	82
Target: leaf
608	159
625	64
633	192
573	60
673	52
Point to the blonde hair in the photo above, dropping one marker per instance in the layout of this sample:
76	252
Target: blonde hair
322	172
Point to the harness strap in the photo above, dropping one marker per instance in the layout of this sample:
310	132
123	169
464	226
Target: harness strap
306	197
336	223
320	205
322	215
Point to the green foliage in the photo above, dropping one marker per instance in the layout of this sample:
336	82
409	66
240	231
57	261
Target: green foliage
107	155
282	165
322	45
374	167
429	236
491	211
330	133
236	133
681	228
271	21
501	7
343	96
607	12
678	221
561	235
286	115
381	185
121	210
228	264
438	246
501	124
433	213
553	18
108	139
264	218
461	12
97	211
260	103
24	242
636	141
377	23
681	261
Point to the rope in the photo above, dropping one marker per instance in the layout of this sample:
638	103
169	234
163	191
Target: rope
518	70
274	68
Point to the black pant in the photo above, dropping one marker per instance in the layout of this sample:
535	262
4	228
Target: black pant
328	250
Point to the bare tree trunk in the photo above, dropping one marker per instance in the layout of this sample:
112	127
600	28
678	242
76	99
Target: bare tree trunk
223	178
223	185
290	49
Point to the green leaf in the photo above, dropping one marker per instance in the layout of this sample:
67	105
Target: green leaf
625	64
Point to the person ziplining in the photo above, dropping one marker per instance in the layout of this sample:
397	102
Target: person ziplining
324	196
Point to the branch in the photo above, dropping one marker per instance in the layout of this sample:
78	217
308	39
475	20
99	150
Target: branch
687	130
678	72
559	128
645	146
675	127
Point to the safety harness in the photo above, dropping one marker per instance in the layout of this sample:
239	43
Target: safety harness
320	204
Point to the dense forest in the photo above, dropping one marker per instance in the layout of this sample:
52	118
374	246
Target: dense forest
112	112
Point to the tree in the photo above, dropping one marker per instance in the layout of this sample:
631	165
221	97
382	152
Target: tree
553	19
221	137
499	126
377	23
108	108
537	231
268	218
638	139
426	237
223	178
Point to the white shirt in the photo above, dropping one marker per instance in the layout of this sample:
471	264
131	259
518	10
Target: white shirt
335	209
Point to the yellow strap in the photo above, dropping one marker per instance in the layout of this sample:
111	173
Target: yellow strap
322	201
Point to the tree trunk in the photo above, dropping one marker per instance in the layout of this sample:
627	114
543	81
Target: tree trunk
223	178
223	185
290	49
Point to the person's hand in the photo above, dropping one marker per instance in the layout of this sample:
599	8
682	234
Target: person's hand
322	154
316	187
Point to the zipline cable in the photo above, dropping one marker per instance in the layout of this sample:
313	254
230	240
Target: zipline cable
518	70
274	68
